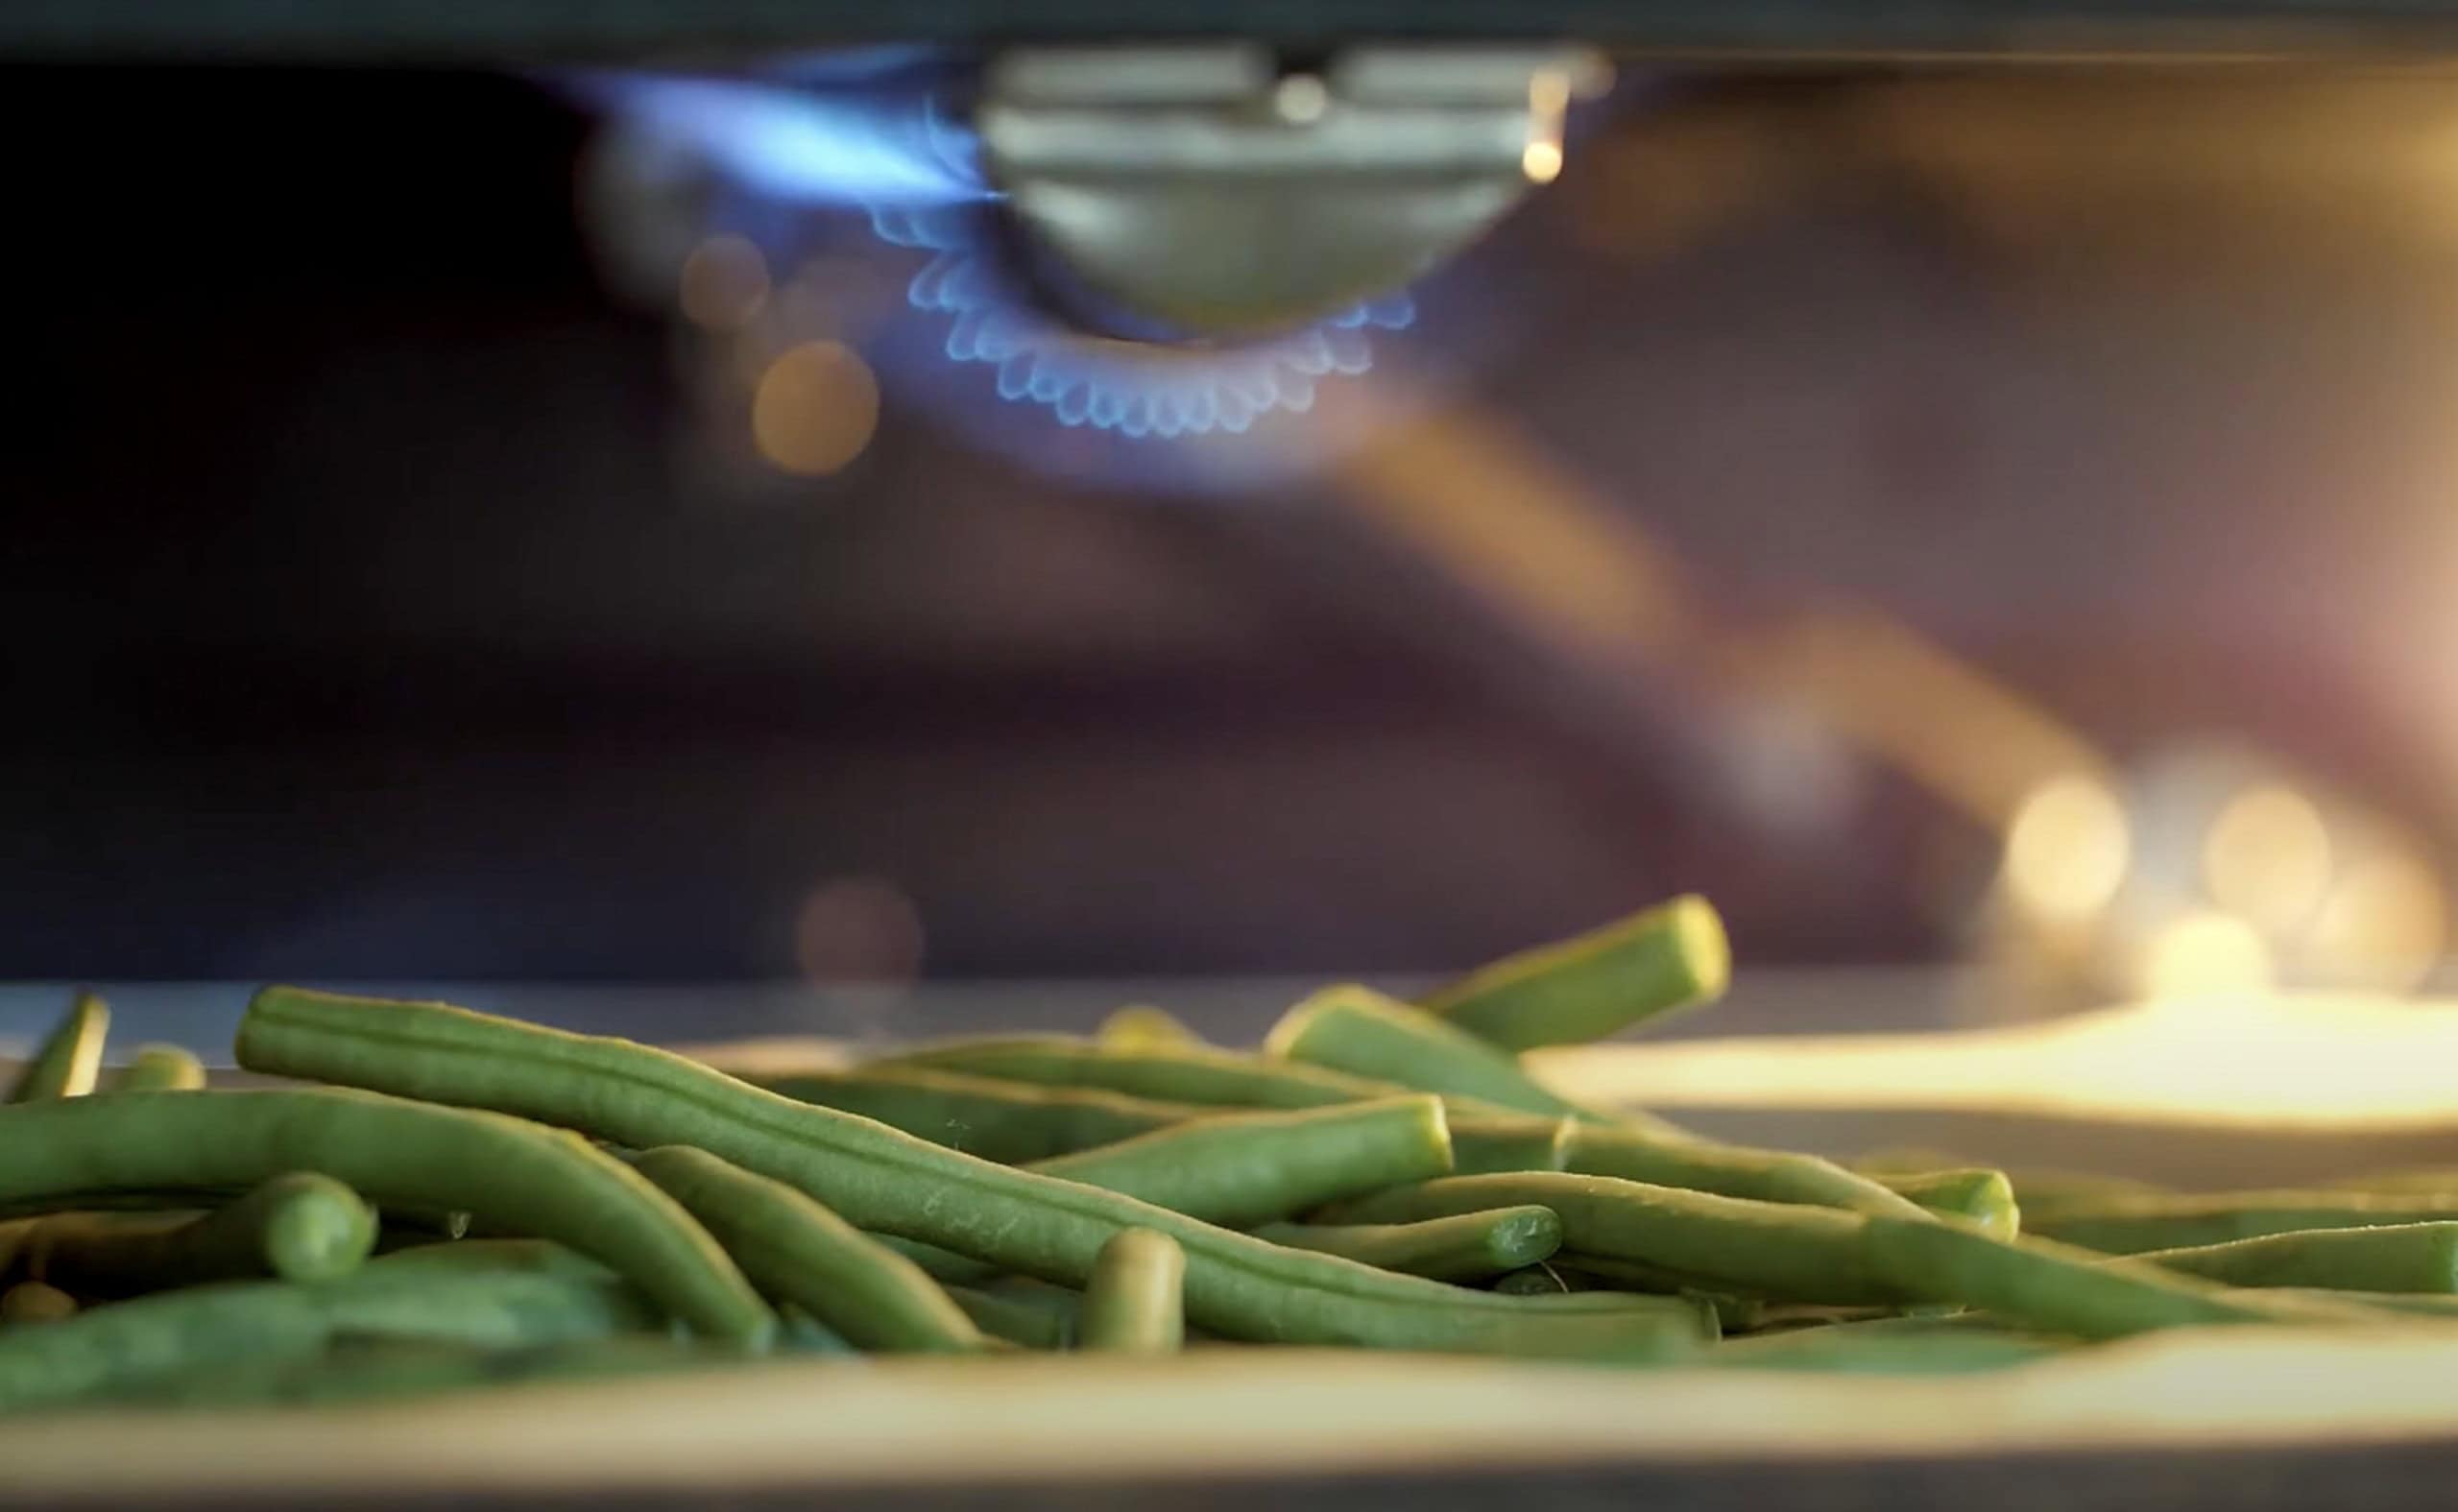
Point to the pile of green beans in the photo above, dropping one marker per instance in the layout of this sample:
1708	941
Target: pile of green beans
1379	1174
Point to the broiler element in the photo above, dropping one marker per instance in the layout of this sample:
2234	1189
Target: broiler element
1210	191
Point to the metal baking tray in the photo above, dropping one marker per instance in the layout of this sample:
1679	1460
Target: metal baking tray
2220	1093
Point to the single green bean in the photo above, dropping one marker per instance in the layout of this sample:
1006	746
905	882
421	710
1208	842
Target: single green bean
1672	956
2062	1290
1777	1250
1887	1347
1820	1255
1729	1170
1011	1122
1193	1073
130	1342
1472	1246
1734	1312
255	1324
791	1247
69	1058
892	1182
1978	1193
2402	1256
387	1369
299	1225
543	1180
1241	1169
503	1309
1140	1026
1135	1302
36	1302
1360	1032
2166	1221
1005	1316
160	1068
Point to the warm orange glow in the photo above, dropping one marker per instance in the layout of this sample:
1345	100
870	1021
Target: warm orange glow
815	408
2204	952
1542	161
2268	856
2067	848
2383	925
724	283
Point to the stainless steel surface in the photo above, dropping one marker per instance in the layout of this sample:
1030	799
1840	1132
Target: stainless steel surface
1201	187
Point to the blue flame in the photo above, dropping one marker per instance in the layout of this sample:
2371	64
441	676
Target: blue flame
882	137
1135	388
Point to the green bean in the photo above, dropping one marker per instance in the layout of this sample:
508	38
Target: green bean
1539	1279
1729	1170
1193	1073
1241	1169
500	1310
71	1057
1668	957
130	1342
1016	1321
505	1170
127	1345
2062	1290
891	1183
1472	1246
2167	1221
1360	1032
1772	1249
160	1068
1791	1253
1011	1122
1135	1302
793	1248
488	1257
1481	1146
1734	1312
36	1302
385	1369
299	1225
1978	1193
2403	1256
1591	1272
1887	1347
1140	1026
941	1266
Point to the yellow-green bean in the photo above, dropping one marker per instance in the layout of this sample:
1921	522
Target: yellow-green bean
160	1068
1730	1170
69	1058
36	1302
299	1225
1135	1301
